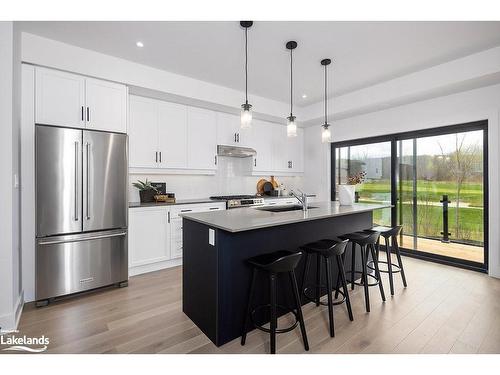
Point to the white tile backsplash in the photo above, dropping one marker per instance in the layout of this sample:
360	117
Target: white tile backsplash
232	177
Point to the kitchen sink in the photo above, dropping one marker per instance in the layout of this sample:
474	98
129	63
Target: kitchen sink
283	208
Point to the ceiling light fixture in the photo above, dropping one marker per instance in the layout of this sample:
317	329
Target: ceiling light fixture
326	134
291	127
139	44
246	109
304	96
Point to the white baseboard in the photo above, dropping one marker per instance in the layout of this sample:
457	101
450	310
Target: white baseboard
138	270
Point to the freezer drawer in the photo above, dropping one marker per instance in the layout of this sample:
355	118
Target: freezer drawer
74	263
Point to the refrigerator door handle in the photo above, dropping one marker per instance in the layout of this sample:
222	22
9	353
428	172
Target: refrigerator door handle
87	216
81	238
76	180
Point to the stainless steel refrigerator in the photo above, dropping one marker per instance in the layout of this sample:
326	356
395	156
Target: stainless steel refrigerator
81	210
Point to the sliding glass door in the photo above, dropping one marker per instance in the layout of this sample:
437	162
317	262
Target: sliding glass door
441	193
436	181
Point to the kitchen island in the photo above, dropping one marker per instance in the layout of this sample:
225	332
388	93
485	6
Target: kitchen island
216	278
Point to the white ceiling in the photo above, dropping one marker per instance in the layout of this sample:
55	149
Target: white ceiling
363	53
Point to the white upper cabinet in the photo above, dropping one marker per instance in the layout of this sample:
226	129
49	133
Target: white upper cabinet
59	98
279	148
202	139
143	133
260	139
172	135
65	99
229	131
295	152
106	105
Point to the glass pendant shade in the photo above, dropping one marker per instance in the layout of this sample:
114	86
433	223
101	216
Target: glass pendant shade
246	116
291	127
326	134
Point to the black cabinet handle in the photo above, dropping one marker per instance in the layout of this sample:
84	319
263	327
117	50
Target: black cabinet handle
238	138
235	137
82	114
215	158
160	156
255	162
156	158
186	210
88	114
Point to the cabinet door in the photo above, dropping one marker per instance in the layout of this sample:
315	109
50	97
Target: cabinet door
279	148
106	105
202	139
227	129
260	138
172	135
148	236
59	98
295	154
143	133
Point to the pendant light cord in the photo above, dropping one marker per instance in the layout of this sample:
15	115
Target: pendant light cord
246	65
326	100
291	82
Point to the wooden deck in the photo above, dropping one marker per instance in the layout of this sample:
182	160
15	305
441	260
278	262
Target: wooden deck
443	310
454	250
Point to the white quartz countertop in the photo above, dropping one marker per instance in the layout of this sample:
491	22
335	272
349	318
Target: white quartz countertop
243	219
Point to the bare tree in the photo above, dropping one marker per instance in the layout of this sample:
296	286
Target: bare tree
462	163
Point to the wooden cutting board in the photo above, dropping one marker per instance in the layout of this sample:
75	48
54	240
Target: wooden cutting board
260	186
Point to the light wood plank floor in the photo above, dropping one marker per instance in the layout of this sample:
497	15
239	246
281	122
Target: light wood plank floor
443	310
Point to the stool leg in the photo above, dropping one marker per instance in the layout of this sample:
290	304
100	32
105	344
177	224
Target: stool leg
353	263
340	265
299	310
273	322
249	307
378	248
389	265
318	278
329	295
305	274
365	277
337	286
400	262
377	273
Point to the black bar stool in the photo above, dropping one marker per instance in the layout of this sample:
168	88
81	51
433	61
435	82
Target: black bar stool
389	233
272	264
326	249
366	242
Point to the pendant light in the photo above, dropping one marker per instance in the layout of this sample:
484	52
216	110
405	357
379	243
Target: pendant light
291	127
246	109
326	134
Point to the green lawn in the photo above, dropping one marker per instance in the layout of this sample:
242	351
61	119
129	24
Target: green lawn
429	213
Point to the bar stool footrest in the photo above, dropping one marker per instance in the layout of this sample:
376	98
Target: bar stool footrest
280	308
395	267
324	303
360	283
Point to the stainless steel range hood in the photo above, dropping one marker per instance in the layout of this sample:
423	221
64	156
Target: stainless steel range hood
235	151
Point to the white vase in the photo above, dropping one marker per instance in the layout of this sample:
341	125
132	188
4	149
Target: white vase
346	194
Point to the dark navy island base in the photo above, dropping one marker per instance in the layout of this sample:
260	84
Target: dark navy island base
216	279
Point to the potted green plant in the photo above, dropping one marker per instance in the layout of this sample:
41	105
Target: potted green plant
147	191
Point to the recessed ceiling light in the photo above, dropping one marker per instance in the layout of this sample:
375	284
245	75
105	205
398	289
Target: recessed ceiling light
139	44
304	96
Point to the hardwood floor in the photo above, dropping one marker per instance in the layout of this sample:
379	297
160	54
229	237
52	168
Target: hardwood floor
443	310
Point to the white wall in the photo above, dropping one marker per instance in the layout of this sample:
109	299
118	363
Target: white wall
473	105
316	164
10	273
231	177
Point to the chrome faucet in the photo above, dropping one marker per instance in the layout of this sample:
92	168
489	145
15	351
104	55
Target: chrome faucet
302	199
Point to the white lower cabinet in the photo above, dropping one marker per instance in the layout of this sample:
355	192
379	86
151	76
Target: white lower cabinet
155	235
148	236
